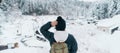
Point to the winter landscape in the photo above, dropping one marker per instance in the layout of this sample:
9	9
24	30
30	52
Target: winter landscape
94	23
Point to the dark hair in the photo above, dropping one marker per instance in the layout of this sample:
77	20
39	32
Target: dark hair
61	24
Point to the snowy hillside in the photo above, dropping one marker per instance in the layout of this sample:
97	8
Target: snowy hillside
89	38
86	20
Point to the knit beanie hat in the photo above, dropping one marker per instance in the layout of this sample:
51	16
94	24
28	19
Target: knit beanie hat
61	24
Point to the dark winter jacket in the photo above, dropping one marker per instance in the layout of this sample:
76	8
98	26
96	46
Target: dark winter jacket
71	42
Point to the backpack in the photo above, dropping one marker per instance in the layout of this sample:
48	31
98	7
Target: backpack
59	47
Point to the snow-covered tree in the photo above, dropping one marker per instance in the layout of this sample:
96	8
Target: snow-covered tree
2	16
114	7
101	10
75	8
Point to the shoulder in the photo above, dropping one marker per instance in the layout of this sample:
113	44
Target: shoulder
71	37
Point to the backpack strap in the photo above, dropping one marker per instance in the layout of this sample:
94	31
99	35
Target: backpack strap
54	47
63	48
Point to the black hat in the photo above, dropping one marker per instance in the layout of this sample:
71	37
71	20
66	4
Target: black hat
61	24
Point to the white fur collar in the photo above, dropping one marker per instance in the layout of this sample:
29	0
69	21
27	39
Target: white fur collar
60	36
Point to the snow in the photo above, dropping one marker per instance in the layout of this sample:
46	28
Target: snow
87	43
25	50
89	0
2	15
90	40
15	27
75	8
115	44
110	22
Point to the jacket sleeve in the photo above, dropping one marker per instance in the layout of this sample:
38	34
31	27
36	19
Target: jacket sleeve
45	31
74	46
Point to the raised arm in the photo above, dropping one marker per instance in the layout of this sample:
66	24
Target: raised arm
45	31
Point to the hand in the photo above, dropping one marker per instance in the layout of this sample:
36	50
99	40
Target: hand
54	23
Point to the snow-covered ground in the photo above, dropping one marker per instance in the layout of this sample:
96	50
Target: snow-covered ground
89	38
